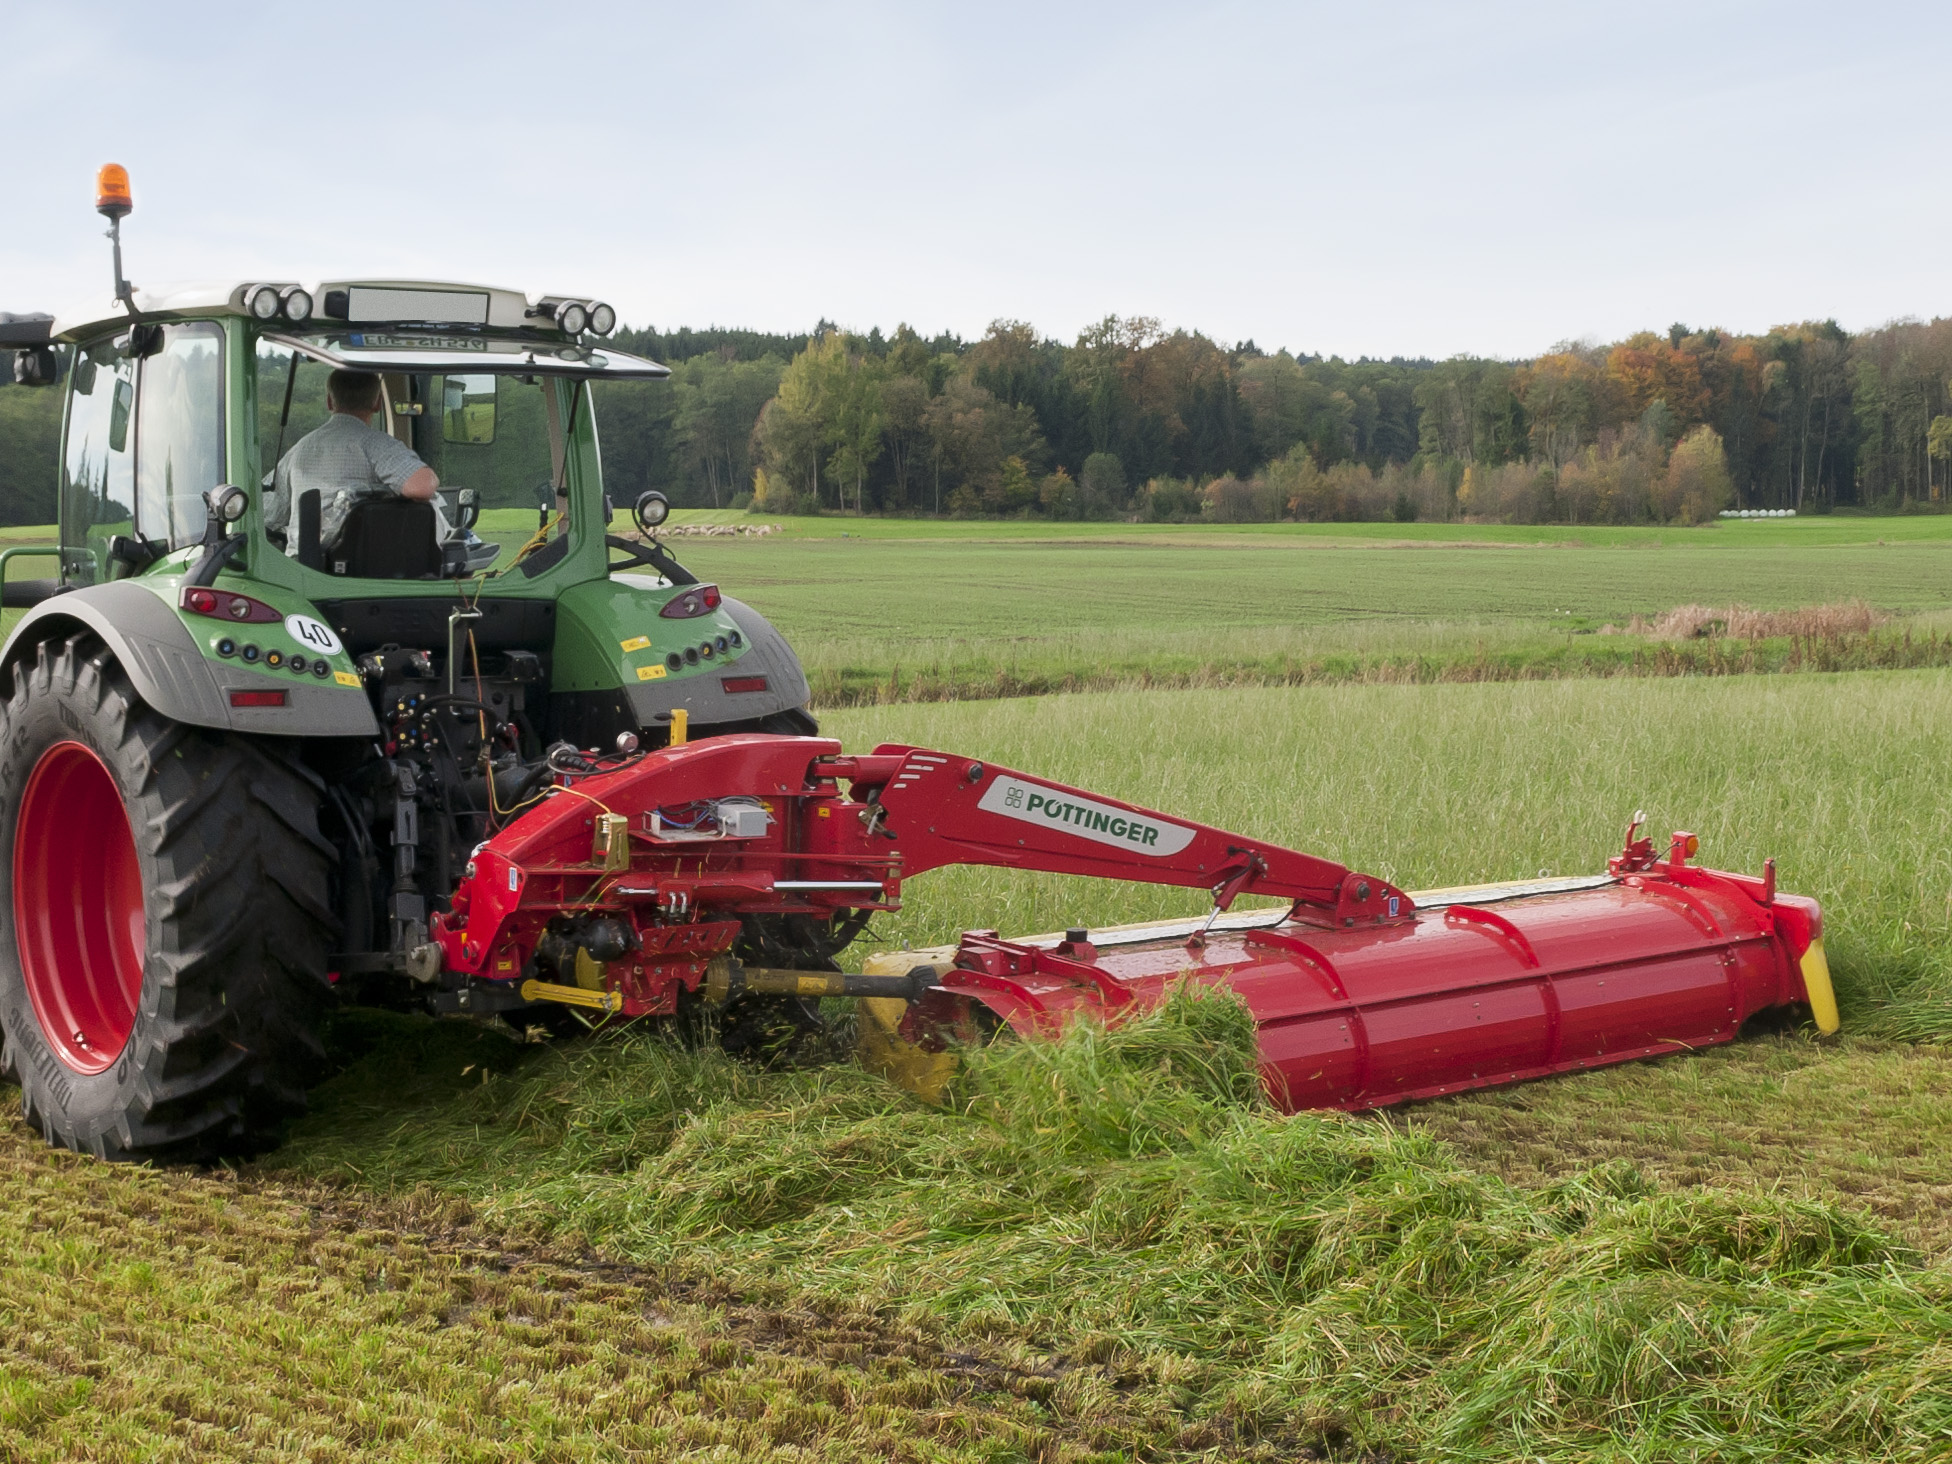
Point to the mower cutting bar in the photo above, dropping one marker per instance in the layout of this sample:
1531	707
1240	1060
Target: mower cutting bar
1462	997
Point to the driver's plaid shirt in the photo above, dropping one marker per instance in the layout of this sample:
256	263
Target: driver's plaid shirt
344	459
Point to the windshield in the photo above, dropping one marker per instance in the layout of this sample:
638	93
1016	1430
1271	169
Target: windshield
497	436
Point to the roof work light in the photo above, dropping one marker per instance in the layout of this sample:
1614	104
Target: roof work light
573	317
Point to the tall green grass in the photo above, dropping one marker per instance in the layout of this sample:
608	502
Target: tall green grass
1121	1209
1840	777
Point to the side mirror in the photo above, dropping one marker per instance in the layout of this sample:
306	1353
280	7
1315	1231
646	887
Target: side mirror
40	366
651	509
467	508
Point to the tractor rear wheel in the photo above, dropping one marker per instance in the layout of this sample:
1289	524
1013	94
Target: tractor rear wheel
164	919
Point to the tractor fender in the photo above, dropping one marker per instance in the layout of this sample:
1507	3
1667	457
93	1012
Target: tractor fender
170	672
705	699
585	618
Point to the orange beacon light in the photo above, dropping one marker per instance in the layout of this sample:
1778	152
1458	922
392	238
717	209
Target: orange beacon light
112	192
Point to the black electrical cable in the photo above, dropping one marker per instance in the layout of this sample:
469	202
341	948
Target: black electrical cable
291	380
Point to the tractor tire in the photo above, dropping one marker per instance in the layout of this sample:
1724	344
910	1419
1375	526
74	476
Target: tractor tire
164	919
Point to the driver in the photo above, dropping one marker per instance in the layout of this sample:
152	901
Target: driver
348	459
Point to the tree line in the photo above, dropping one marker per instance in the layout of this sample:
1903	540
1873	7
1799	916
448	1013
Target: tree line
1131	420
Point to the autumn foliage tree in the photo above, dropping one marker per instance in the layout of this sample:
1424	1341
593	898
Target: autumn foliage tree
1133	419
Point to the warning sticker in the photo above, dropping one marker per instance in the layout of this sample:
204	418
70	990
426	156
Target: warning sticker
345	678
649	673
1086	817
637	643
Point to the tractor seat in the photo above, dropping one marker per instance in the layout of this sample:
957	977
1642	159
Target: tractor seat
388	538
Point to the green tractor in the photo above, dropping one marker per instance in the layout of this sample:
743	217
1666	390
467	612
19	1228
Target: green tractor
246	756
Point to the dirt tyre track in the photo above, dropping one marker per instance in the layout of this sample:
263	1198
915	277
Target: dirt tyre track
199	925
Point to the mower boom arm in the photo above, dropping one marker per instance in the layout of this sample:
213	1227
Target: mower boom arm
945	809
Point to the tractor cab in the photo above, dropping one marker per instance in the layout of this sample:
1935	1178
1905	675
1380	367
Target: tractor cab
177	394
185	466
503	418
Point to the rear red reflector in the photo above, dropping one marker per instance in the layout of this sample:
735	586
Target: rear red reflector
694	600
257	698
226	606
736	684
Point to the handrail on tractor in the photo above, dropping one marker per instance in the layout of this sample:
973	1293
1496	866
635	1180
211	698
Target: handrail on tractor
23	594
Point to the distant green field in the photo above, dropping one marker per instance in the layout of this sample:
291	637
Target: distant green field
893	609
1842	528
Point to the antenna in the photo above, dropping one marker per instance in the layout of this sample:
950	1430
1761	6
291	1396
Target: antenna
113	203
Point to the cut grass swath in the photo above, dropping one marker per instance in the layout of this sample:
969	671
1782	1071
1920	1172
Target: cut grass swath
1124	1203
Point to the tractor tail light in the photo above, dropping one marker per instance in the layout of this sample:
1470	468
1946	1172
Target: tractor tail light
223	605
696	600
736	684
257	698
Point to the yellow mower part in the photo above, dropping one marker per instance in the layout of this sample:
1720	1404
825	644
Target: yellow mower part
1816	985
879	1045
610	843
589	971
602	1001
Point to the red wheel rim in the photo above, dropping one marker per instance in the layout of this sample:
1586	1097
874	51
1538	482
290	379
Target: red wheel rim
78	920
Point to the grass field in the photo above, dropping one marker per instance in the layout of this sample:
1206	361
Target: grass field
896	610
480	1248
484	1249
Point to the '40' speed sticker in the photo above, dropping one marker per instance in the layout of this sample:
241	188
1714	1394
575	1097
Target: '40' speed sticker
314	635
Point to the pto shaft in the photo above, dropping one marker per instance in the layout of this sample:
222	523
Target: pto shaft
726	978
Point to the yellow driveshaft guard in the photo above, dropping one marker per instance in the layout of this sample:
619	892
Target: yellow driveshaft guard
602	1001
879	1043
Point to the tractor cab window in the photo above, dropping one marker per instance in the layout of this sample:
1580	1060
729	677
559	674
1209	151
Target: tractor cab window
98	467
488	433
180	432
291	402
145	442
495	436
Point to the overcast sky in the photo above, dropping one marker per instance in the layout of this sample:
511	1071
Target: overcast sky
1417	179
